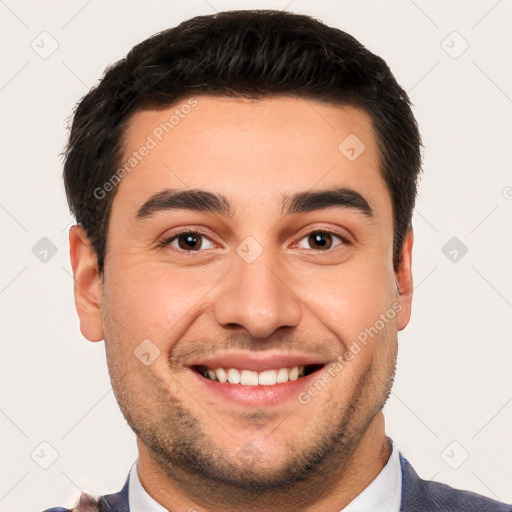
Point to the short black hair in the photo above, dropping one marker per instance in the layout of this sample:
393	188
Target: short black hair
247	54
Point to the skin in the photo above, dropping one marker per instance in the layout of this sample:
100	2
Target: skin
294	297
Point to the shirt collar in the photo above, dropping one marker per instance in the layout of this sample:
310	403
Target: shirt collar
138	498
383	494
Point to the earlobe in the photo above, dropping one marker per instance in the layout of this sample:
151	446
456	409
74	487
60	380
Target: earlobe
87	284
405	281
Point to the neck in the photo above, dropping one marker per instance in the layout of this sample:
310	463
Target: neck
331	489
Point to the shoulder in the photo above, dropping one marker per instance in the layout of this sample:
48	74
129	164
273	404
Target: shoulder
425	496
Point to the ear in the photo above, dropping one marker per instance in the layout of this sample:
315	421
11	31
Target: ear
87	284
404	281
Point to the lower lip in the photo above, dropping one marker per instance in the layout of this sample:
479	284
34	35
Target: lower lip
256	396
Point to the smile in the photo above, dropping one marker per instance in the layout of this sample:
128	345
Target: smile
254	379
247	377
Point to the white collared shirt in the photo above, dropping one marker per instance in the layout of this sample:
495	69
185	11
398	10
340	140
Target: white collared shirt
138	498
383	494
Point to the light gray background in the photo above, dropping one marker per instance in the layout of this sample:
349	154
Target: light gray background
453	393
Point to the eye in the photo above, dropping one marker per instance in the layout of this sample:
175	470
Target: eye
188	241
321	240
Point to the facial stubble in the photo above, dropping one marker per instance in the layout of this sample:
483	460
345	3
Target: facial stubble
191	459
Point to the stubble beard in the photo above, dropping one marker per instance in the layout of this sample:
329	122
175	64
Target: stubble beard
190	458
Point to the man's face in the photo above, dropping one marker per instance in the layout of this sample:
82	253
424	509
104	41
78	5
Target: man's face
267	287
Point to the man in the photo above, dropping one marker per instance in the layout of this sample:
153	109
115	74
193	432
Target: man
243	186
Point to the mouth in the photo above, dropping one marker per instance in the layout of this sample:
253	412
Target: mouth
254	382
246	377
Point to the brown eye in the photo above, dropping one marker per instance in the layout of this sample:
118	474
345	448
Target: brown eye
189	241
321	240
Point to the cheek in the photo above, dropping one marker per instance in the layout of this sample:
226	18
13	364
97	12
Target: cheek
151	302
350	303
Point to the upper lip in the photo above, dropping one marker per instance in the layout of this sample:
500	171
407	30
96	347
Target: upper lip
257	361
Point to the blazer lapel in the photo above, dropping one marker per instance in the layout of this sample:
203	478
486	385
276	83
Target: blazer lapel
415	495
117	502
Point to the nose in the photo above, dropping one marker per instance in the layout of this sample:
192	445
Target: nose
255	296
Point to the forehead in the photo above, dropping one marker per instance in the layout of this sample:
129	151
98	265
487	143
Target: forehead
252	151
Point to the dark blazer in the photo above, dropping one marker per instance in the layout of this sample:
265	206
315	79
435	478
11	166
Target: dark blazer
417	496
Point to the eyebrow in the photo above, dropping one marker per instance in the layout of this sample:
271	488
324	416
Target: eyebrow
211	202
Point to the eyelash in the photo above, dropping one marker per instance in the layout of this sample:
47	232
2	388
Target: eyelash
166	242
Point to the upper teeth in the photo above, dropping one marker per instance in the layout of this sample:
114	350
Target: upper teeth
253	378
